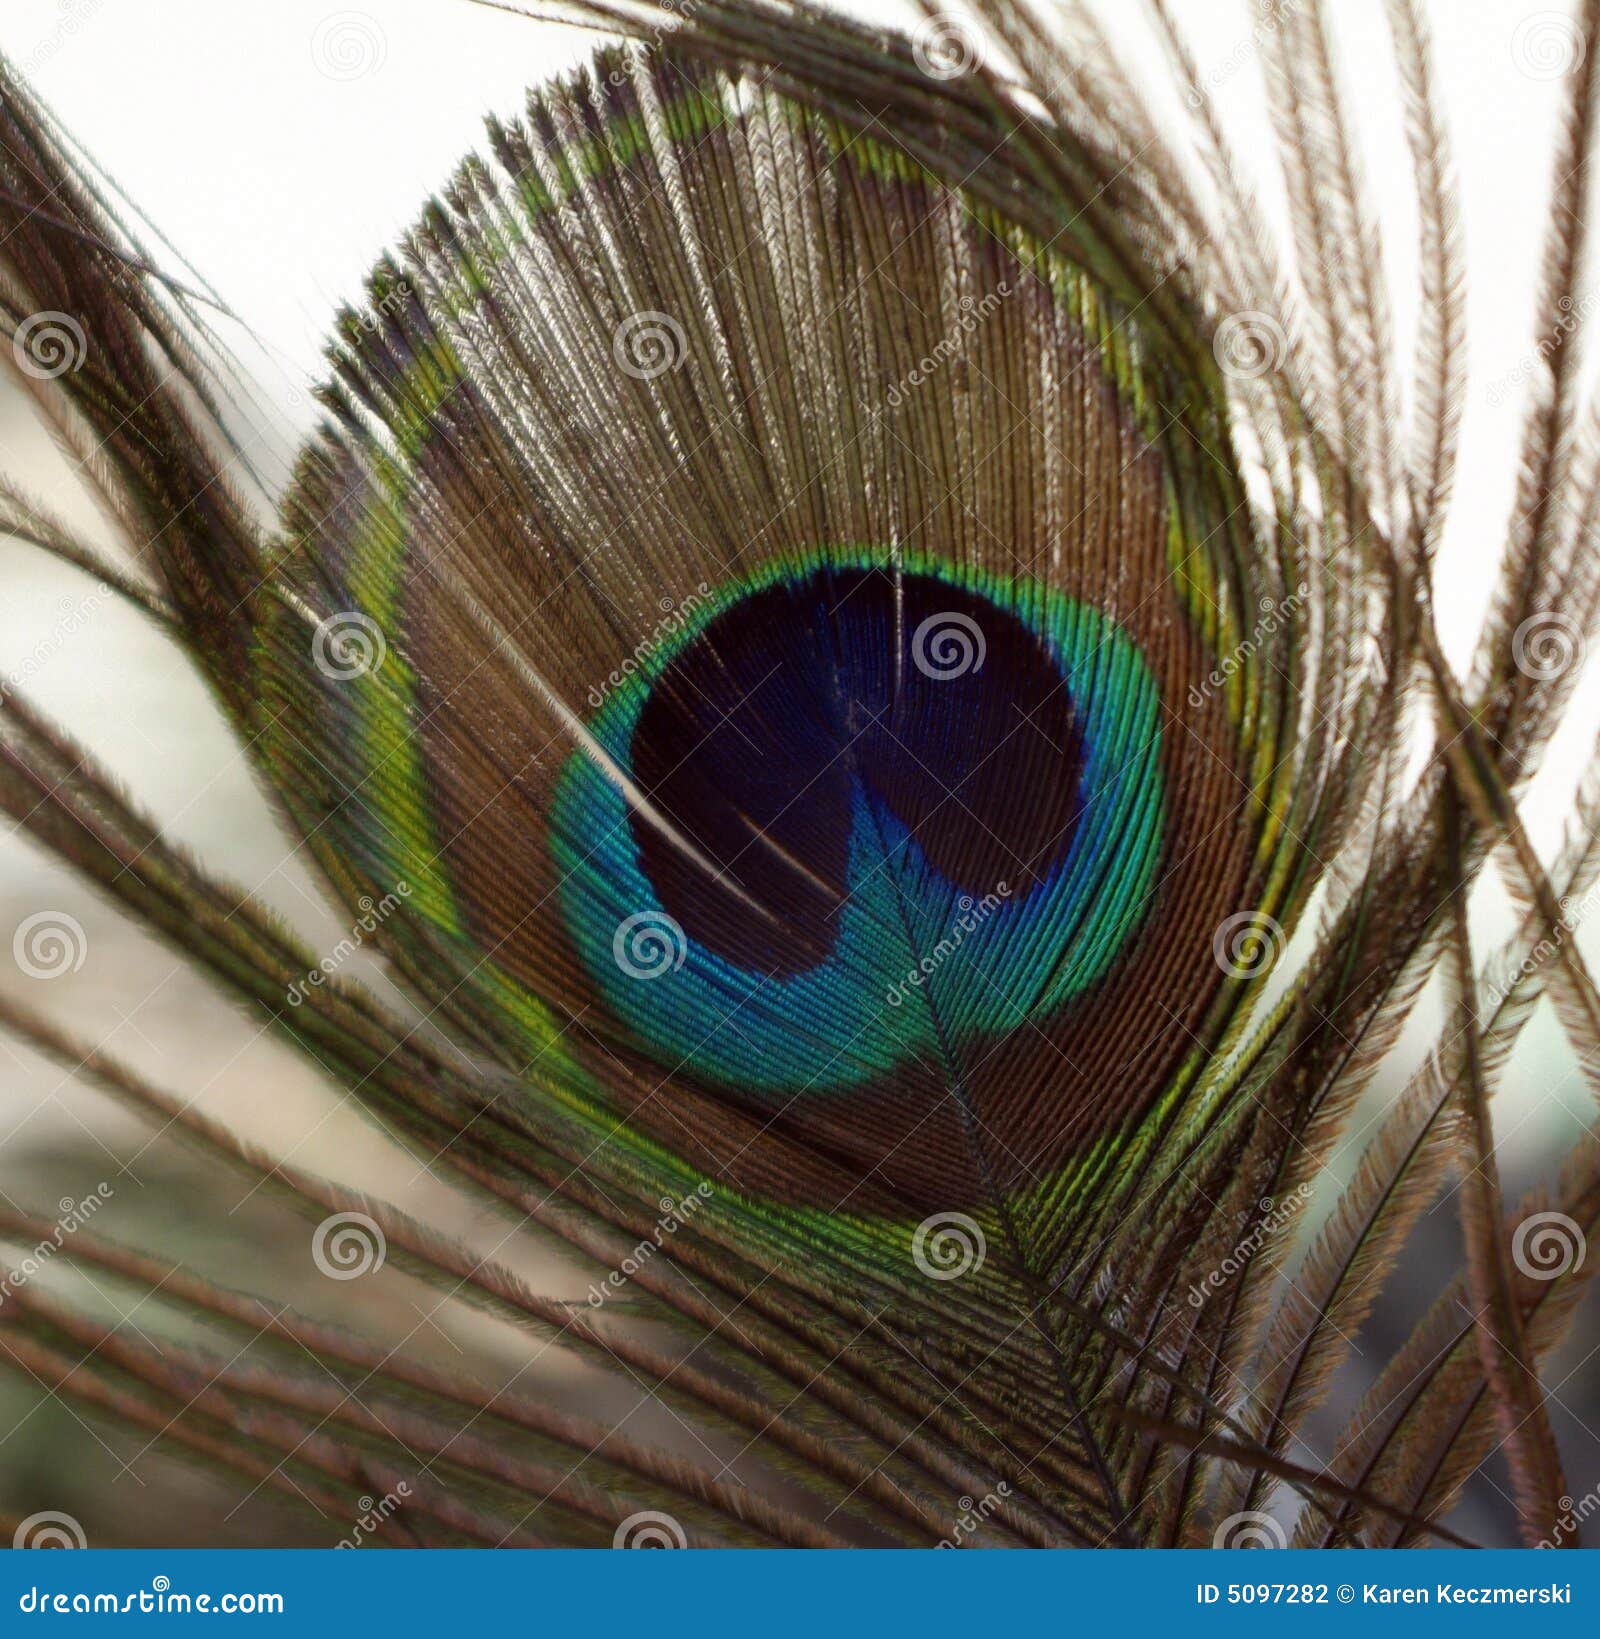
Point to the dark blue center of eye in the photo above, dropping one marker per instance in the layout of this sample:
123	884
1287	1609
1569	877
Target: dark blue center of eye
946	712
853	818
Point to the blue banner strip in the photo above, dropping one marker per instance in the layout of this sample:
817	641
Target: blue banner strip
818	1595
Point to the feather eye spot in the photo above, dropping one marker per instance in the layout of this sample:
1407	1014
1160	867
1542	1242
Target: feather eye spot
816	793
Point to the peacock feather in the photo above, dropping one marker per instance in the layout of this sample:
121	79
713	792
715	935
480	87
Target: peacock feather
862	639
